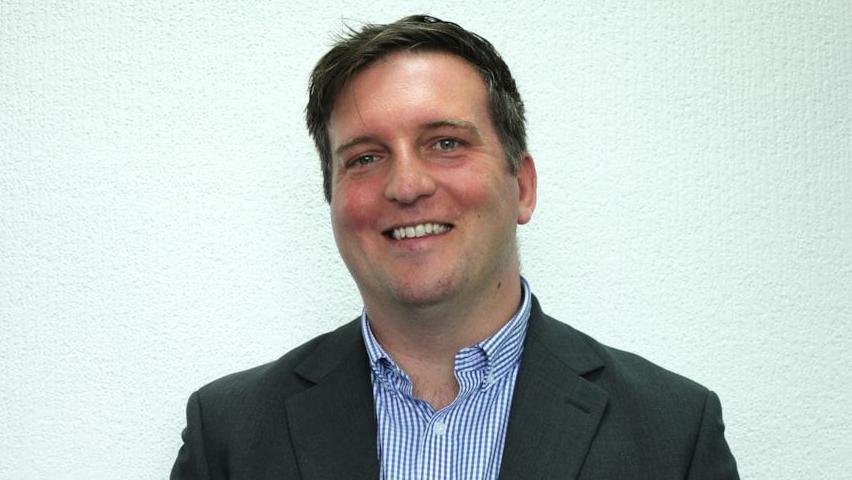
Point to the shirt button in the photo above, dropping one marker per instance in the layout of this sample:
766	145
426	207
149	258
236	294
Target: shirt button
440	428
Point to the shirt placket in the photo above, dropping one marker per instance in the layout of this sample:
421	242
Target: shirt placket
435	459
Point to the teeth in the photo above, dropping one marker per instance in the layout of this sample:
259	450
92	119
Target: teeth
420	230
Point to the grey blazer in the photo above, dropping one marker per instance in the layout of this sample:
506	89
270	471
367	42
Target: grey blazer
580	410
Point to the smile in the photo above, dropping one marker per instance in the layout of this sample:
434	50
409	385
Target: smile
419	230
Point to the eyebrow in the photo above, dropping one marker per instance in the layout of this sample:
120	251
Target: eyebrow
464	125
460	124
352	143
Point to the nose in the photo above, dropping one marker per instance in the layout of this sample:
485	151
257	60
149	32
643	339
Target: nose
409	178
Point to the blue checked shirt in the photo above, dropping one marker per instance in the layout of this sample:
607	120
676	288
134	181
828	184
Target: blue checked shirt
464	440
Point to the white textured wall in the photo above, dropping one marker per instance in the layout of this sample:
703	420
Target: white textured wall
162	222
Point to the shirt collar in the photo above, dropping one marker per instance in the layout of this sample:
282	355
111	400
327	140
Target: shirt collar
502	350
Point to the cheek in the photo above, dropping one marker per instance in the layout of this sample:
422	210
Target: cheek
489	191
353	210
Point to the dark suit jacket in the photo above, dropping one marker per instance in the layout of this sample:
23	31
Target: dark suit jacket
580	410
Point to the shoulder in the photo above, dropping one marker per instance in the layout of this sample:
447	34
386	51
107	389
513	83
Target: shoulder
633	373
277	380
240	420
635	386
653	420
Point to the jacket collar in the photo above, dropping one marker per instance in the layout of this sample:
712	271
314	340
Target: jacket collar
332	424
555	410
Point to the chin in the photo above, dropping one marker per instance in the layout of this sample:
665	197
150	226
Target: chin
423	292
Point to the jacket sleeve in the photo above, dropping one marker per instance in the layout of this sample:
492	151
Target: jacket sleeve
712	458
191	462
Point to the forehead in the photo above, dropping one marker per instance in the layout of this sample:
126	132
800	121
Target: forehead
409	86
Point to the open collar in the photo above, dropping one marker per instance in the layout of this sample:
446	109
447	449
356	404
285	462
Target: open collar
554	417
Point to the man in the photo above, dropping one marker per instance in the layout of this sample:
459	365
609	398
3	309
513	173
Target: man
452	371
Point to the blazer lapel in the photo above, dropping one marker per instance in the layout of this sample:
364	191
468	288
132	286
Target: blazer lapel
333	424
555	411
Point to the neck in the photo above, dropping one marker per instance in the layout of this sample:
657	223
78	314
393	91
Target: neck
441	330
423	340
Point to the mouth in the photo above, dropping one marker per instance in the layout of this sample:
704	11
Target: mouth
418	230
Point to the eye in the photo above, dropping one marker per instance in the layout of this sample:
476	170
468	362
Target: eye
446	144
362	161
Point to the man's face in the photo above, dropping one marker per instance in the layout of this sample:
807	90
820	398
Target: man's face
423	206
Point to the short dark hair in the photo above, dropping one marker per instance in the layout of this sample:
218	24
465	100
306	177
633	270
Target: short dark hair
357	49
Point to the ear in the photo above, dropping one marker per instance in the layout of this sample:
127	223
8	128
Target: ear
526	178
